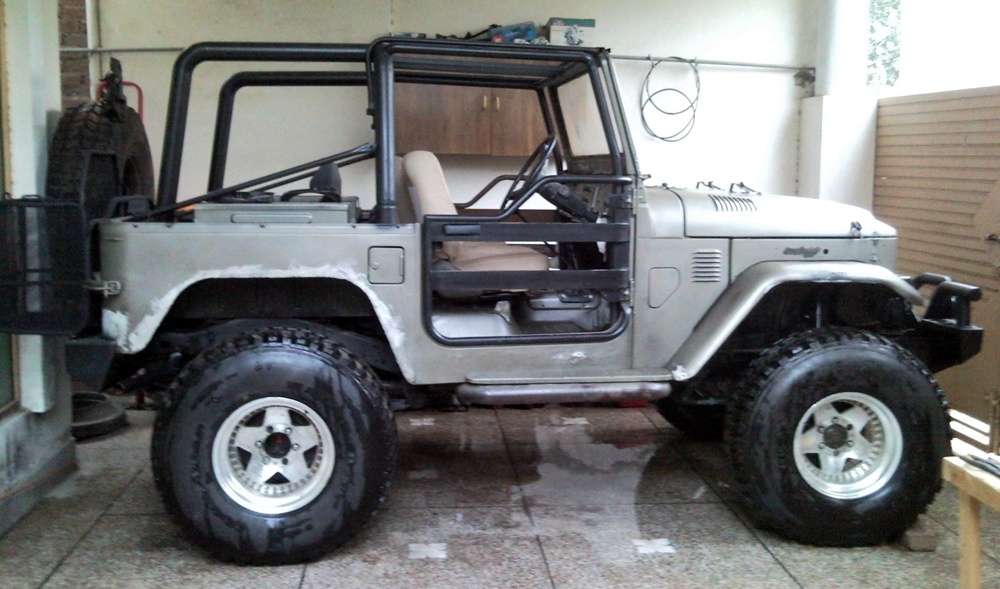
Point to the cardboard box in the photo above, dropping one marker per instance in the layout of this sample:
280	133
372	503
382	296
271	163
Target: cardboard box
570	31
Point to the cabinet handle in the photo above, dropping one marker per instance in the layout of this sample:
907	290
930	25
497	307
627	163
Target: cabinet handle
485	99
496	103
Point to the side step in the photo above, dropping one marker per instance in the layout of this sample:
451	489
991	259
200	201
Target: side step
534	394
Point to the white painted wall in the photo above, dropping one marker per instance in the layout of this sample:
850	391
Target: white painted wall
35	442
34	102
837	127
747	128
837	150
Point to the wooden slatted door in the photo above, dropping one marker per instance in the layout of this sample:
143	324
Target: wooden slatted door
937	180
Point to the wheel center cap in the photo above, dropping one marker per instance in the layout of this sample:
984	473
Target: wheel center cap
277	445
835	436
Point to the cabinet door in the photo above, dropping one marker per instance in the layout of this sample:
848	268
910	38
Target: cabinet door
442	119
517	123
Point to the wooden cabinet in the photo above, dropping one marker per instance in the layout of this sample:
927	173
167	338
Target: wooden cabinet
467	120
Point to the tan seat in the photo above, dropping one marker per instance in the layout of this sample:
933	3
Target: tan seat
430	196
404	204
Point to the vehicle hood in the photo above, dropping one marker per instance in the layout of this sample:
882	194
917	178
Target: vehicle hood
717	214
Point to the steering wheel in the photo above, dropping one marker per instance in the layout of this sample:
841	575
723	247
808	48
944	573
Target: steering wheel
536	164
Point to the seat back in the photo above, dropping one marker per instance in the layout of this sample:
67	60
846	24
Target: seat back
430	192
404	204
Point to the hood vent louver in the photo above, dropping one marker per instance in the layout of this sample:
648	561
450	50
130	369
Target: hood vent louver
733	204
706	266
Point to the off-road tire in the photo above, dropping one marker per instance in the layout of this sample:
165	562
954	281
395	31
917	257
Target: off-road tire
701	422
95	126
768	420
296	369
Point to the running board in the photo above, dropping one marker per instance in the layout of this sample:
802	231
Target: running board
535	394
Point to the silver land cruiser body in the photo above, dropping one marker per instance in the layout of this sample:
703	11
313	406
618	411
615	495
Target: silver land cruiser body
277	325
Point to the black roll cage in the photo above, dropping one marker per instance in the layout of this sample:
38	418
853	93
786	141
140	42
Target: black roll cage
541	68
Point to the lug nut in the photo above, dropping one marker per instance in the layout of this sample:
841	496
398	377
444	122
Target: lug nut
267	460
288	430
820	429
821	446
850	443
284	461
258	443
269	429
835	420
295	446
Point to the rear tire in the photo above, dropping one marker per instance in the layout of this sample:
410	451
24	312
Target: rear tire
275	447
699	421
836	438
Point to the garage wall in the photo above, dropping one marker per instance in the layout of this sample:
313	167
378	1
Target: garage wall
747	127
937	180
36	449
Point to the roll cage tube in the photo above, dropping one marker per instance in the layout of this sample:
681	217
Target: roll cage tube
380	70
380	64
227	98
281	178
180	89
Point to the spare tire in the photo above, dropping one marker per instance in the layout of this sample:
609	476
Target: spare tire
102	128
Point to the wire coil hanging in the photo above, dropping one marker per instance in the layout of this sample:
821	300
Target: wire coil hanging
648	99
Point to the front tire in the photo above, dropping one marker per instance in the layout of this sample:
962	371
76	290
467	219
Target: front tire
275	447
837	437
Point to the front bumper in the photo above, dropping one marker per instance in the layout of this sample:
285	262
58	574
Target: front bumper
947	334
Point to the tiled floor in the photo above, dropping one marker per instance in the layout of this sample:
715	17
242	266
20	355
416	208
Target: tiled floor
560	497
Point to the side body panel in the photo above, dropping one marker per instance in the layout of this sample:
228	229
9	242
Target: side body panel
156	262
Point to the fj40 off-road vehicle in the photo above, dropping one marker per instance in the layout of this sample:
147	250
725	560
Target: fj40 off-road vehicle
280	319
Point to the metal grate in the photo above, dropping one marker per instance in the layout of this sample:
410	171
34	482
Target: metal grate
43	261
733	204
706	266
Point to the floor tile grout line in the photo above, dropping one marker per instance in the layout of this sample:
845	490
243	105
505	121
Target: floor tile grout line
90	529
739	517
513	468
545	560
302	577
524	500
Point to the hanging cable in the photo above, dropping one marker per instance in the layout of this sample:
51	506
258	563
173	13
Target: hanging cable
647	99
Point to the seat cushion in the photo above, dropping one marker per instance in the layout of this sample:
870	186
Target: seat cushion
484	256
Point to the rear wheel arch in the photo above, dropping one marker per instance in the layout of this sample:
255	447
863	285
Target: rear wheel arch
209	310
237	297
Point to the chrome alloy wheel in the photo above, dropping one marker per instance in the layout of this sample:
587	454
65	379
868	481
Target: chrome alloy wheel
273	455
848	445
